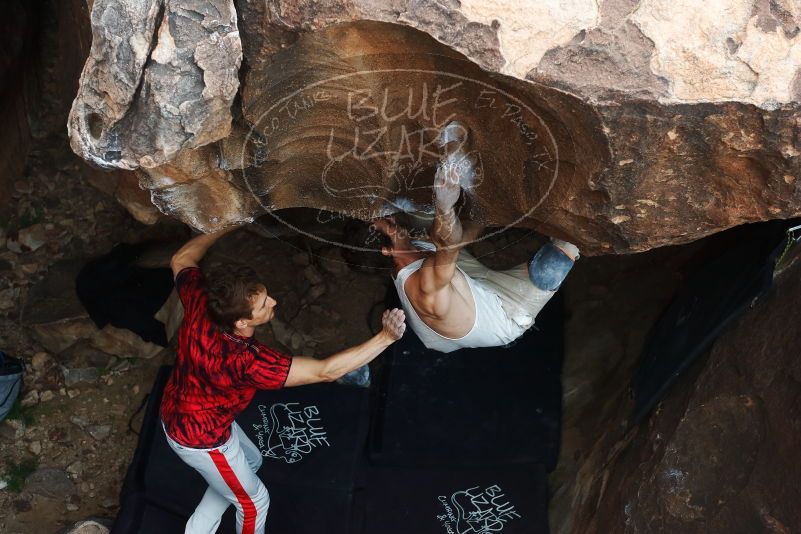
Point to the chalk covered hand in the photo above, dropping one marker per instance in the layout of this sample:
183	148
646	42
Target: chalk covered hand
394	323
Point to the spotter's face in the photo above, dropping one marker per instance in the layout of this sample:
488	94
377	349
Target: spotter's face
263	308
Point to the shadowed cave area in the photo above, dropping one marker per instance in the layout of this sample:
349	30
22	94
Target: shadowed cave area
677	376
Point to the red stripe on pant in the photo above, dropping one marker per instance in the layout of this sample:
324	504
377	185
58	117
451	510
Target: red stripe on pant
249	509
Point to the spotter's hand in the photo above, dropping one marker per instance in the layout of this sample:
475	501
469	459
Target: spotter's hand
394	323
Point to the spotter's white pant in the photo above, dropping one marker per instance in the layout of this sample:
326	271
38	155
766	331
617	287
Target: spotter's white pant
230	471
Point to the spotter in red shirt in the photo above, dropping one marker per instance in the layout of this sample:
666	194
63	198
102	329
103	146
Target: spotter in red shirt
216	373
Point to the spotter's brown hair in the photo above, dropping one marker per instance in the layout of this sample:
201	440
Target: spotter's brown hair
229	291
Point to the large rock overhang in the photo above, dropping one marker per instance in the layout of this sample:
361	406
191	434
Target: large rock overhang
345	118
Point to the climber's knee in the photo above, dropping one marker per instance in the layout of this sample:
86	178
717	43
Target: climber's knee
550	265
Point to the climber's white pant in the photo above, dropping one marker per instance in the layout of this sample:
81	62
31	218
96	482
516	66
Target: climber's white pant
520	299
230	471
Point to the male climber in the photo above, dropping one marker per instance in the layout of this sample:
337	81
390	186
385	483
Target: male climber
451	300
219	367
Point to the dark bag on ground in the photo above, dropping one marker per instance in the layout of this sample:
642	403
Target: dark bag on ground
10	382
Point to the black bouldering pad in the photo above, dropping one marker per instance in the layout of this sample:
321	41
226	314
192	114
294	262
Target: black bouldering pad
471	407
311	439
137	515
721	285
506	500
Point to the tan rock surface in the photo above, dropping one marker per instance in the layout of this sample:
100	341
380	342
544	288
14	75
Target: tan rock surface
160	78
621	125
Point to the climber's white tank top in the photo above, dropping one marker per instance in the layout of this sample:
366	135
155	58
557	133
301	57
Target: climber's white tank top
492	328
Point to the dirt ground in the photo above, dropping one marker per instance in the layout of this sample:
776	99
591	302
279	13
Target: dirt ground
75	438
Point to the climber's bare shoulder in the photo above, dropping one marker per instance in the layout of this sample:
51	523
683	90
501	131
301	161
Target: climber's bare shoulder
446	308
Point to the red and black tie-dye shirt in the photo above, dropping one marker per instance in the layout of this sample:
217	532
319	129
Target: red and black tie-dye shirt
216	373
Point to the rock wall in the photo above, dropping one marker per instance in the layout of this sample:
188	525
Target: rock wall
621	125
127	116
671	51
719	454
